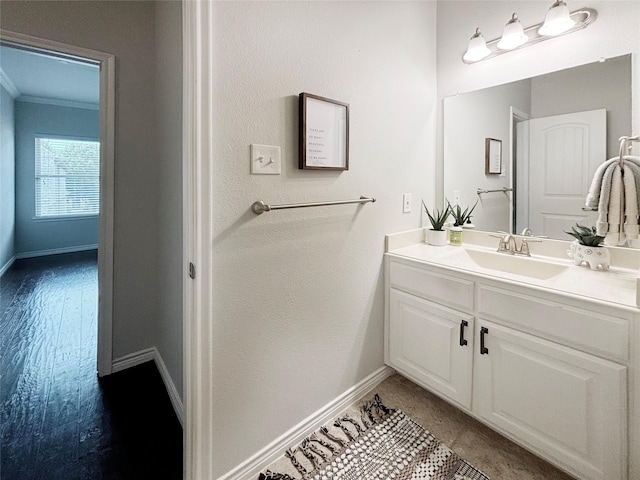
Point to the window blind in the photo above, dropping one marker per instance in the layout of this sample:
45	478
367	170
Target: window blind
67	177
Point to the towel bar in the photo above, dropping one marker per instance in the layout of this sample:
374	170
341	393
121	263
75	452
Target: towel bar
480	191
261	207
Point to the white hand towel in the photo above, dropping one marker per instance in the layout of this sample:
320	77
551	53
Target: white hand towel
630	204
593	197
602	224
612	228
635	169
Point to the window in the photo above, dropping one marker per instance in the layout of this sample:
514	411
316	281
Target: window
67	177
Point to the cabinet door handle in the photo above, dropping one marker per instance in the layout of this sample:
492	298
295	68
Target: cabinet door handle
483	350
463	324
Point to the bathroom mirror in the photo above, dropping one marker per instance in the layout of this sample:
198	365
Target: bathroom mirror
554	130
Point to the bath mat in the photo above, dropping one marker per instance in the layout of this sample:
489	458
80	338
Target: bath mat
381	444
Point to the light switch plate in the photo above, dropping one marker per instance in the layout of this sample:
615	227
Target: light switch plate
406	203
265	160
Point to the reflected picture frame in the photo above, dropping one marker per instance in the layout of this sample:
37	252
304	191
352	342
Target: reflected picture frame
324	133
492	156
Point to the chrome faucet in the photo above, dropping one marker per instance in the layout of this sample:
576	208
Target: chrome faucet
508	244
524	246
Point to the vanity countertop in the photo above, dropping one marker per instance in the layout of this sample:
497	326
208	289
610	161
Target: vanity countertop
617	286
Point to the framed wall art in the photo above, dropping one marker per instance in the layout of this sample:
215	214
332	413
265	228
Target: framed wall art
324	133
492	156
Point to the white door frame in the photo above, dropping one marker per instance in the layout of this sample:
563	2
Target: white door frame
198	158
518	165
107	159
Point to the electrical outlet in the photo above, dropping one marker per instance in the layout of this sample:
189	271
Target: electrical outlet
265	160
406	203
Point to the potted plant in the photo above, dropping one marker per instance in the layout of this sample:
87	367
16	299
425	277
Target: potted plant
587	247
436	235
460	217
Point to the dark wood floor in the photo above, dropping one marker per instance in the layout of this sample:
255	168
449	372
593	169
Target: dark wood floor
57	419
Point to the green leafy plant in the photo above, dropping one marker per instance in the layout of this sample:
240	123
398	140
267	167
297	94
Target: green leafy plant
460	216
438	218
586	235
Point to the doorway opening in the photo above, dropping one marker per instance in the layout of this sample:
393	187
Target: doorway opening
63	54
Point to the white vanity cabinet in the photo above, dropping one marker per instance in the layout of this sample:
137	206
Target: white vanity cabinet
433	344
547	372
560	402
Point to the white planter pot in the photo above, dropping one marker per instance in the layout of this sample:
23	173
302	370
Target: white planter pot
593	256
437	237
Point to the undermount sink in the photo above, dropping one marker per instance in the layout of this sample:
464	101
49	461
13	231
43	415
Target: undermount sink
523	266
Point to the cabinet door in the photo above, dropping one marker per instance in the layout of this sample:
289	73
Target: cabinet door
567	405
432	345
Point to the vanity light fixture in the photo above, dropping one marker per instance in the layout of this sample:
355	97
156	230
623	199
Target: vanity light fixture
557	22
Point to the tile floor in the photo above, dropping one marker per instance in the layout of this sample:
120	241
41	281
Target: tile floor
488	451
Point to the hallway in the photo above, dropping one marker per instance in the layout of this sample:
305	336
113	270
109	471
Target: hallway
57	419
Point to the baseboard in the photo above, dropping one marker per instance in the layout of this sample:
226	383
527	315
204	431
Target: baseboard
7	265
250	469
147	355
56	251
133	359
176	401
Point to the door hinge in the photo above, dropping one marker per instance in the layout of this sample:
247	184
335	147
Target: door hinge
192	270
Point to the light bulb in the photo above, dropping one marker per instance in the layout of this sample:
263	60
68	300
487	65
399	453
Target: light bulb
513	35
477	48
557	20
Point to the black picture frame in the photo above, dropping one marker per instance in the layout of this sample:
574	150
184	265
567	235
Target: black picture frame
324	133
492	156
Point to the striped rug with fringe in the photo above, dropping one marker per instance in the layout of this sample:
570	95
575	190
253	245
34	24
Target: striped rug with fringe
381	444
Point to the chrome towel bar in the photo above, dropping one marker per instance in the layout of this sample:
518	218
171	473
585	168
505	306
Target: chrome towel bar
480	191
261	207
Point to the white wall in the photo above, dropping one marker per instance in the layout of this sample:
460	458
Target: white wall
7	179
168	57
125	29
615	32
298	294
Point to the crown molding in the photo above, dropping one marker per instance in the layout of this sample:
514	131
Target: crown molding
58	102
8	84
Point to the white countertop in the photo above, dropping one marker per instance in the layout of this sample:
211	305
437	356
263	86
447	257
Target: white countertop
616	286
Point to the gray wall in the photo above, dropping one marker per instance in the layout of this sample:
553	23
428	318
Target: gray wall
169	163
125	29
469	119
7	178
39	236
588	87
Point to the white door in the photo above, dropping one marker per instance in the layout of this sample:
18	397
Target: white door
565	151
565	404
432	345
